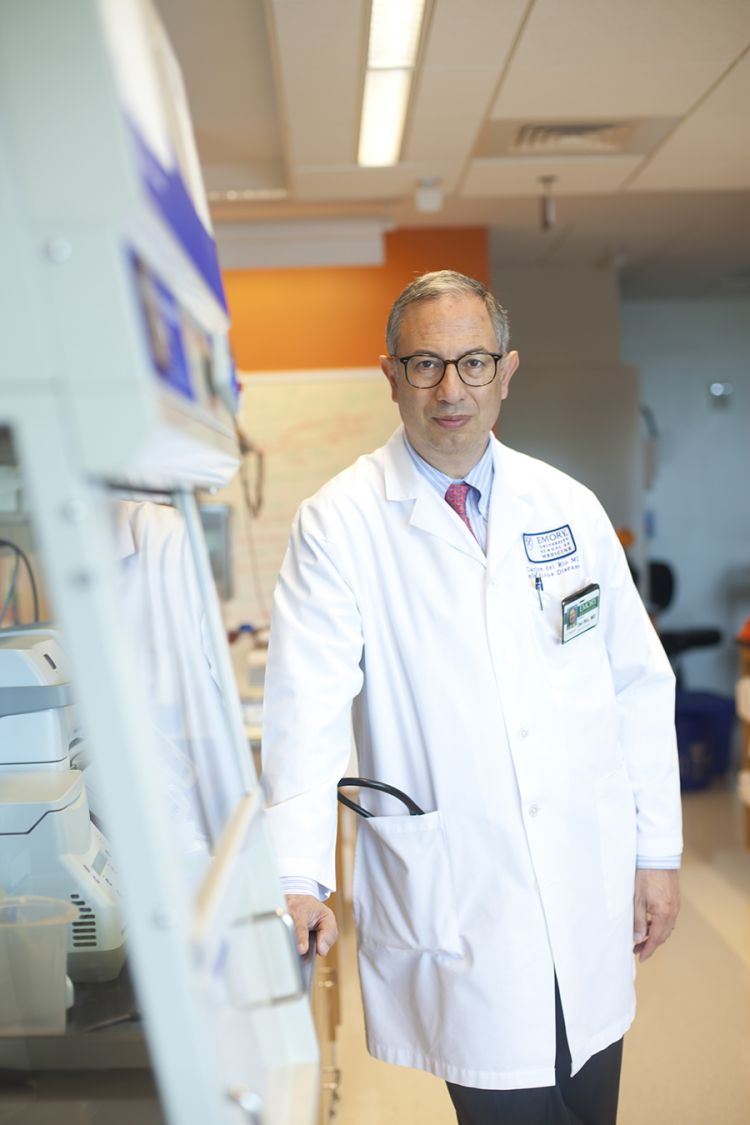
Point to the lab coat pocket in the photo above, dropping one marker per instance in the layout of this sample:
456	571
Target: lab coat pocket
403	890
615	810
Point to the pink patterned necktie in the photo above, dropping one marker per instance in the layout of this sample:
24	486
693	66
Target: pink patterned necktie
456	495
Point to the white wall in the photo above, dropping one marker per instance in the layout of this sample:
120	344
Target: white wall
701	497
573	402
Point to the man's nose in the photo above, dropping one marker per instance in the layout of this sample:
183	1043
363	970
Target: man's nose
450	388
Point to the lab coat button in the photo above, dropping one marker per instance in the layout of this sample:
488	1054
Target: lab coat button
534	810
523	733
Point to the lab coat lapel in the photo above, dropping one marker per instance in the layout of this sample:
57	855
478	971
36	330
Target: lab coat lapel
510	507
430	513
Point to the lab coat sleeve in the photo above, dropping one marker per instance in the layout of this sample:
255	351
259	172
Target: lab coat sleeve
644	688
313	674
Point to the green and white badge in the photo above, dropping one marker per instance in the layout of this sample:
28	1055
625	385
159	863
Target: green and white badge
580	612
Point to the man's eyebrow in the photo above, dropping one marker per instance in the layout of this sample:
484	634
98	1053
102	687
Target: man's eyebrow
437	355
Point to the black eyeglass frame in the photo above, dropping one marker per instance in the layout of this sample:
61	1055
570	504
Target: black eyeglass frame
497	356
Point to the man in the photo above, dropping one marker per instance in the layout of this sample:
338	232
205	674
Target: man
431	584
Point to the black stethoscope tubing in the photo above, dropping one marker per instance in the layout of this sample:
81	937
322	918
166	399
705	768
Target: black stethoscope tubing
381	787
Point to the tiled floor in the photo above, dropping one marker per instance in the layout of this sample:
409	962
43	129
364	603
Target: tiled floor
687	1058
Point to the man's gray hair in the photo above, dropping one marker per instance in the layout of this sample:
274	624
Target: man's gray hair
443	283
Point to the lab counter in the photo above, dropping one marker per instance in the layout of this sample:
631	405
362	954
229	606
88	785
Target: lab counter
97	1073
103	1033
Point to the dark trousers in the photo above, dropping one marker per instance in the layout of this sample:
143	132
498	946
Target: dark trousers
588	1099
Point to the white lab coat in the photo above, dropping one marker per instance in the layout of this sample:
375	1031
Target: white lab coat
543	767
161	601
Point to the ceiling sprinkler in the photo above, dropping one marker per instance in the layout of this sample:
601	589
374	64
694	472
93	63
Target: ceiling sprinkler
428	196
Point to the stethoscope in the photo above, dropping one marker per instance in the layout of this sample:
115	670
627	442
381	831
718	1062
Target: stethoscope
381	787
308	959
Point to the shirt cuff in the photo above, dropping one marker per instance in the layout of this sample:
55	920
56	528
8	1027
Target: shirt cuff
657	863
301	885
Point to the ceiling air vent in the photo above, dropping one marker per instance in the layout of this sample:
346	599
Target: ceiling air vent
571	139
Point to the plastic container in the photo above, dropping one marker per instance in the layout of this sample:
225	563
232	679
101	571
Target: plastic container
705	722
694	748
33	947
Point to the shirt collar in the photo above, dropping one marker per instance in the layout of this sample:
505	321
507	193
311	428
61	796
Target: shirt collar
480	476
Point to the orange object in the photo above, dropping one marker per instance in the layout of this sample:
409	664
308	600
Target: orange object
744	634
626	537
307	319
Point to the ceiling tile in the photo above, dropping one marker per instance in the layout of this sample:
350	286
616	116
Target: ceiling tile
223	52
711	148
467	46
351	182
585	58
243	175
449	107
574	175
320	53
473	33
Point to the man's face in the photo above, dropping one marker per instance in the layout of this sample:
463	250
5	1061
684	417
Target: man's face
449	424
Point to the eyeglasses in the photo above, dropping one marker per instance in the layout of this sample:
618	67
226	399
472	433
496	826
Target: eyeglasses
476	369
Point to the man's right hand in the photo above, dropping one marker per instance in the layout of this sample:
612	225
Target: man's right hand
308	913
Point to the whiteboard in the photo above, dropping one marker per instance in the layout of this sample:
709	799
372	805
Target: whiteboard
310	425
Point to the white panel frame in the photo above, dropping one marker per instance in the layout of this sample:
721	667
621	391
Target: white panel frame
64	274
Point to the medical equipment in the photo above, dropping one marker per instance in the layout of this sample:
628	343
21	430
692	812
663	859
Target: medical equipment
381	787
48	843
117	373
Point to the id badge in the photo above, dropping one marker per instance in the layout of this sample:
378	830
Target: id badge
580	612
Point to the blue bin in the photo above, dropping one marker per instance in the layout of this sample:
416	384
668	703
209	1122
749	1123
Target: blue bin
704	723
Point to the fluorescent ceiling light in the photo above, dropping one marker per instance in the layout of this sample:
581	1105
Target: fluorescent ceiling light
394	33
383	114
395	27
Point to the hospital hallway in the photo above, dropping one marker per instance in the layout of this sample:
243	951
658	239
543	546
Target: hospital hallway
687	1057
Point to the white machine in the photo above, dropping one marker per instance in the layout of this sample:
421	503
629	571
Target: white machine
115	372
48	843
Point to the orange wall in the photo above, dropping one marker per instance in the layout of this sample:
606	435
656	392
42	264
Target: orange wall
292	319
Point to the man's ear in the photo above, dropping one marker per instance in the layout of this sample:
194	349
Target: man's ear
508	367
388	367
